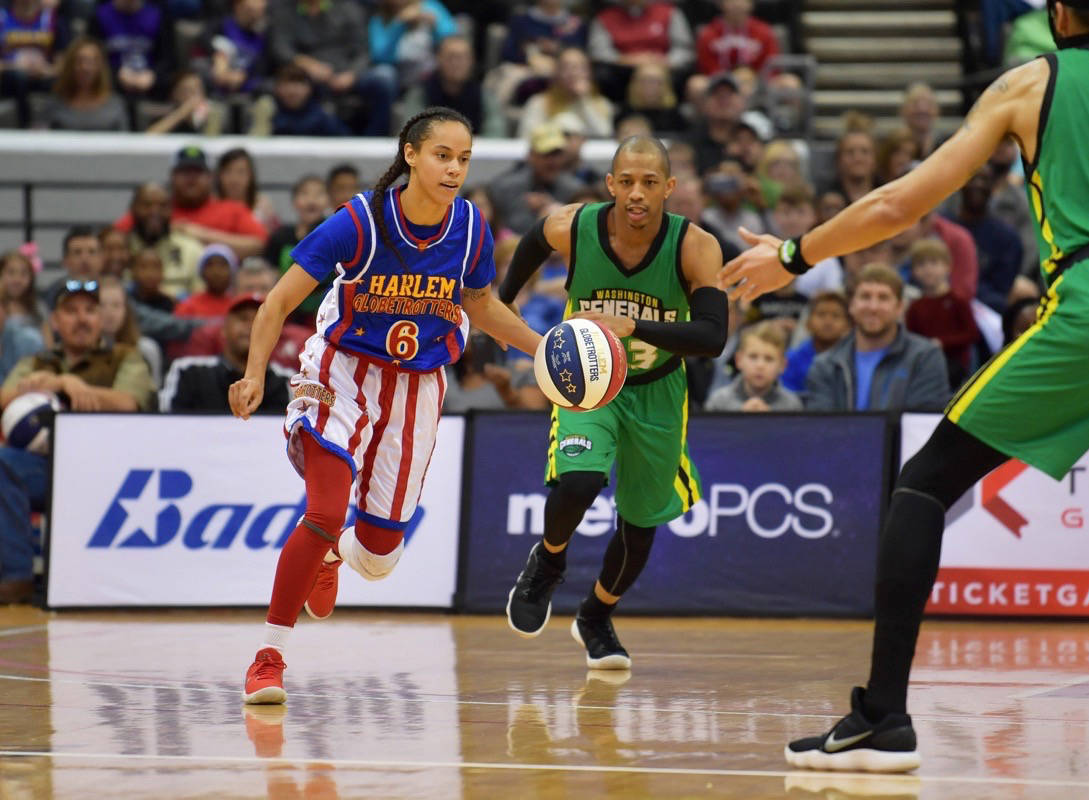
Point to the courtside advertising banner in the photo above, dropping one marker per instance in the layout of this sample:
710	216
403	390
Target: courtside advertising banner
788	524
193	511
1016	543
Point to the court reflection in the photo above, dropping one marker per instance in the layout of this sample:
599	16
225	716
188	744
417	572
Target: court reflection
432	706
285	781
823	786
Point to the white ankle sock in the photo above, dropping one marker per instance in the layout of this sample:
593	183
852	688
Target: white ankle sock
276	636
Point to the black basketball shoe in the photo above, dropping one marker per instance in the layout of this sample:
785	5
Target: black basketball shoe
529	604
603	649
857	744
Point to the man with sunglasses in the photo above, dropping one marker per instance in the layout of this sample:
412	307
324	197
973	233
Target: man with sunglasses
86	376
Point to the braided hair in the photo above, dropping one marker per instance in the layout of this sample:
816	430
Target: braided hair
415	132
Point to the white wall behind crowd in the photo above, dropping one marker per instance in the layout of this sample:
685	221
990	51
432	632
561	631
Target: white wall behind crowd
193	511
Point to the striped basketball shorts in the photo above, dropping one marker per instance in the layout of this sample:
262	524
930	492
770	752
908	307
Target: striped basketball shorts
381	420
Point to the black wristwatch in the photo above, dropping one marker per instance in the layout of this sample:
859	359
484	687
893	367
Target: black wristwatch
790	256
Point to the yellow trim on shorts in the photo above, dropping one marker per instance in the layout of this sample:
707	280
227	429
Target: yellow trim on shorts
553	444
685	467
961	404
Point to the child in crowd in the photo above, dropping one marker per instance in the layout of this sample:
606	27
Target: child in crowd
827	323
147	281
760	361
116	255
217	266
939	314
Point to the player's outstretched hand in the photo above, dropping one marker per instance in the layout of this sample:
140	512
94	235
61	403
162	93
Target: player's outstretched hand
755	272
245	396
621	326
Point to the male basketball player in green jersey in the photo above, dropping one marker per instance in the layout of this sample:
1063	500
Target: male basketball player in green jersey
651	278
1029	402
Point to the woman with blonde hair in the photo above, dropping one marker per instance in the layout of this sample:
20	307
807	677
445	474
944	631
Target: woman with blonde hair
856	158
920	113
650	94
119	325
779	166
83	96
572	102
18	295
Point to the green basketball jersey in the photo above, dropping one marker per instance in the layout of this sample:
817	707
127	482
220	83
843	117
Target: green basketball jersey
652	290
1058	182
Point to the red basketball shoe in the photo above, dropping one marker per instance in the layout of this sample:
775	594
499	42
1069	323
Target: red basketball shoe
265	678
323	596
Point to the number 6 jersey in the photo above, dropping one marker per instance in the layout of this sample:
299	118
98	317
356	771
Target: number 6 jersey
411	318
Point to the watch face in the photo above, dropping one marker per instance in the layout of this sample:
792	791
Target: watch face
787	250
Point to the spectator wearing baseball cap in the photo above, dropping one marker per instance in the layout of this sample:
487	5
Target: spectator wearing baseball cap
198	213
87	376
529	189
201	383
217	266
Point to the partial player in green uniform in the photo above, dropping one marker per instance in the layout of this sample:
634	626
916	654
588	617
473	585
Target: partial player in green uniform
650	277
1031	401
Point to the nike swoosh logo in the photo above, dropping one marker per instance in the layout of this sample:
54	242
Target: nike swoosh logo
834	745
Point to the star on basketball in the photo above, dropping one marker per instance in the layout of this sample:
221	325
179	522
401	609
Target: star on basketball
570	387
566	376
558	343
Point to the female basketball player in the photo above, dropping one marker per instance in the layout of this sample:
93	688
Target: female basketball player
367	399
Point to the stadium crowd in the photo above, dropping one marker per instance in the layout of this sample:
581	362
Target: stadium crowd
153	311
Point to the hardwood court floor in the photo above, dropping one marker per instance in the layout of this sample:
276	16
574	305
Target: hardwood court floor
146	705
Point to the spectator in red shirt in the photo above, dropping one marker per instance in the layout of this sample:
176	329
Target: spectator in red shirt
736	39
217	266
939	314
195	211
635	32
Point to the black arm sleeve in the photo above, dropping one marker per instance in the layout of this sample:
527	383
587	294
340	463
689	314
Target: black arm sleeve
703	335
532	251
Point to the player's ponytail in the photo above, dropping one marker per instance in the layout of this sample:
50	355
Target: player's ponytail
415	132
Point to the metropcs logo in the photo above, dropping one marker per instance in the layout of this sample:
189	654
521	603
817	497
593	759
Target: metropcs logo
769	511
151	514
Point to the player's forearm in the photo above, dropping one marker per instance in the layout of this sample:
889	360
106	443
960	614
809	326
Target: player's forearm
703	335
267	326
874	218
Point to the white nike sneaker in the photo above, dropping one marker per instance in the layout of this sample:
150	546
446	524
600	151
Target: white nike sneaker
858	745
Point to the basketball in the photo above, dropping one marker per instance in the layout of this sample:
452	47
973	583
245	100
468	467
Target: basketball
580	365
25	422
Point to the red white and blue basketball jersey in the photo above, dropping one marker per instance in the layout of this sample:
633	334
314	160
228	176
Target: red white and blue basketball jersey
410	318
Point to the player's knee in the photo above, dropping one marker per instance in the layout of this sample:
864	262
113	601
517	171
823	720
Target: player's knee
580	489
639	539
323	522
372	550
378	539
